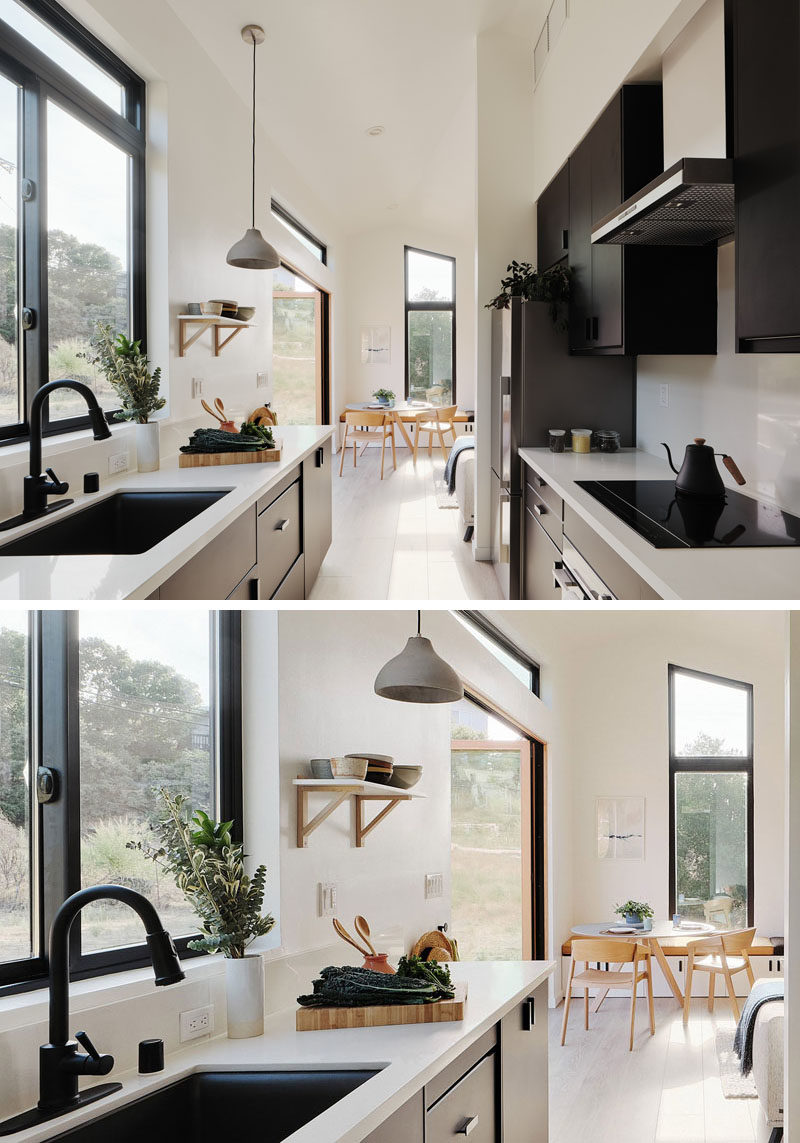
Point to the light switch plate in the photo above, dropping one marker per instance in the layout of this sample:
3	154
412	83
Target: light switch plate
118	463
663	396
327	898
434	885
197	388
197	1022
262	380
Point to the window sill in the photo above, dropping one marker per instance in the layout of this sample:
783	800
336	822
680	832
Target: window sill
18	452
25	1008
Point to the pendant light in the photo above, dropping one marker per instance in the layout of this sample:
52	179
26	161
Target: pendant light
253	252
418	674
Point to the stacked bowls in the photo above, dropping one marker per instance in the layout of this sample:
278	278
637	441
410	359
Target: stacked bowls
379	766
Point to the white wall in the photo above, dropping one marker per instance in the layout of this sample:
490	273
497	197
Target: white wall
695	63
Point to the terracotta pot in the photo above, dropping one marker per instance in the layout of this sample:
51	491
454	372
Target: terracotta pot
379	963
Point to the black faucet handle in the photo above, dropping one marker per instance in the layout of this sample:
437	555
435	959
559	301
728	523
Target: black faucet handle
97	1063
58	487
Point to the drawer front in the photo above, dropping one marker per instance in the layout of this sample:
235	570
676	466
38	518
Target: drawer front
247	588
540	485
279	544
274	492
217	570
459	1067
468	1111
548	517
541	555
293	584
612	569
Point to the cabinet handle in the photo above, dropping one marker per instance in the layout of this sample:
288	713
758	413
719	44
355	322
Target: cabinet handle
588	329
282	525
320	457
565	240
595	329
529	1014
540	509
468	1126
255	584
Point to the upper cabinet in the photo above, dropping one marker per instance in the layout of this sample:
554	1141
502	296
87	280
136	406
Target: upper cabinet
766	75
625	300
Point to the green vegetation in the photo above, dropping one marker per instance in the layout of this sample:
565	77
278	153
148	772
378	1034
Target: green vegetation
353	987
522	281
638	909
127	369
294	351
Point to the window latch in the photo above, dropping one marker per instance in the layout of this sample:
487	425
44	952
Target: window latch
27	190
28	318
46	785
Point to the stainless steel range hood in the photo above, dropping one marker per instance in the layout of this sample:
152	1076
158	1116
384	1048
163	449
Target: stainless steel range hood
691	204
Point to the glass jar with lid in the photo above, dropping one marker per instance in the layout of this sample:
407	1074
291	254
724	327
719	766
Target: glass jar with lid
581	440
607	440
557	439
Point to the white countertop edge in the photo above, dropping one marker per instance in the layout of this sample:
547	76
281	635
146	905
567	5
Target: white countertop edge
352	1118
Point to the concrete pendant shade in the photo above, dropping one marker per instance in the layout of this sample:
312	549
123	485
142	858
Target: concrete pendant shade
253	252
418	674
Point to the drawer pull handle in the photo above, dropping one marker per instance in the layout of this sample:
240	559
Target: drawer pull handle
282	525
540	509
468	1126
255	587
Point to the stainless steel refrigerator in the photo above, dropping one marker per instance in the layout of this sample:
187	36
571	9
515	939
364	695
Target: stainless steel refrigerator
537	385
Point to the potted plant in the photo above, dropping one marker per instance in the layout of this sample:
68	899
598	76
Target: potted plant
634	912
208	868
127	370
522	281
384	397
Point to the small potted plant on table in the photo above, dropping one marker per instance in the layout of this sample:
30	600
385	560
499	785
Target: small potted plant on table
384	397
634	912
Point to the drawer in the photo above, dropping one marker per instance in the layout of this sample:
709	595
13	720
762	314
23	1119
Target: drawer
460	1066
277	490
548	517
540	485
247	588
218	569
279	543
624	582
468	1110
293	585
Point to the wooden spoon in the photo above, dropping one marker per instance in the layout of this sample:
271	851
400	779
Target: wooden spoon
208	409
343	933
362	928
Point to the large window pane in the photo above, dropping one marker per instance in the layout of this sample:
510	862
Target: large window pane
711	718
430	278
10	372
146	719
88	264
296	348
15	819
711	847
430	356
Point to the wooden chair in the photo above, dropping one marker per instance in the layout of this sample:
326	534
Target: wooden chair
357	428
443	422
723	955
610	952
718	908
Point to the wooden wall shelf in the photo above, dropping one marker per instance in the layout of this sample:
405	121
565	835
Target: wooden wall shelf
340	790
204	322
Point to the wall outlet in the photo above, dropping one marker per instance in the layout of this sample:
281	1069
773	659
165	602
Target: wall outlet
117	463
197	1022
434	885
326	896
262	380
197	388
663	396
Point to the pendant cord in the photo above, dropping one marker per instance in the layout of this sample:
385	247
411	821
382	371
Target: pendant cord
253	210
419	623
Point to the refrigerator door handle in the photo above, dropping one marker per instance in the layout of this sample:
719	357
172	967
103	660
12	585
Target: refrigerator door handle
505	386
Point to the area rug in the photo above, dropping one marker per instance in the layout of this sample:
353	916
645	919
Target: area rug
734	1084
443	497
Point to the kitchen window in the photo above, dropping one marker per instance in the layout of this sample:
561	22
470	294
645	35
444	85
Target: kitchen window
72	193
303	236
430	327
113	705
520	665
711	798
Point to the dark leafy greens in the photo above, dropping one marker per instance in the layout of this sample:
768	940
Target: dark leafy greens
353	987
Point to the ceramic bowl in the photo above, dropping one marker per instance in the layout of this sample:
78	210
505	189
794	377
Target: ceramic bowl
349	767
212	308
245	313
321	768
194	308
406	776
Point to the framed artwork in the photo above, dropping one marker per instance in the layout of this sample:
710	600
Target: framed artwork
376	344
620	828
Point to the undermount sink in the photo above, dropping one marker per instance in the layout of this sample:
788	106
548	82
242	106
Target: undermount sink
263	1106
127	523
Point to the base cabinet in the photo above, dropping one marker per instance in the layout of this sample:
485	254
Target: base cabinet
317	511
407	1125
523	1071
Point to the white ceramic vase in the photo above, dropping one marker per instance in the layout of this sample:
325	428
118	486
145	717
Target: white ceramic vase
147	447
244	987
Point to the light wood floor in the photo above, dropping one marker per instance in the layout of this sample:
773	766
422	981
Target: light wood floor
666	1090
392	541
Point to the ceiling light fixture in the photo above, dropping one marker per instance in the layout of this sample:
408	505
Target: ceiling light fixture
376	130
253	252
418	674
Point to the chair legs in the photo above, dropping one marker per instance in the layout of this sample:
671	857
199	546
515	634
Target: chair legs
687	995
633	1012
732	995
442	444
567	1001
650	1003
344	449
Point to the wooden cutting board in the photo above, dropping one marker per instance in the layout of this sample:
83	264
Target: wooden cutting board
380	1015
217	459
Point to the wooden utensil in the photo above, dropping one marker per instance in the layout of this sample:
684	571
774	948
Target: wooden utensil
225	424
208	409
362	928
343	933
263	416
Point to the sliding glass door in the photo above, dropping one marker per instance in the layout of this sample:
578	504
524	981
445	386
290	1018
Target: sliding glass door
299	350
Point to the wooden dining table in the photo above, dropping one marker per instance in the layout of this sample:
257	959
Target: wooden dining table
402	413
662	933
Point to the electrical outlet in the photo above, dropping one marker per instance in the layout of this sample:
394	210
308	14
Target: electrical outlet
262	380
434	885
327	898
663	396
117	463
197	1022
197	388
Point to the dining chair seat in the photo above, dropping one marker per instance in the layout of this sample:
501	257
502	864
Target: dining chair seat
714	963
368	426
598	951
607	978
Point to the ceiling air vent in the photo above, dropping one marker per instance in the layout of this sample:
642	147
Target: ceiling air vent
556	18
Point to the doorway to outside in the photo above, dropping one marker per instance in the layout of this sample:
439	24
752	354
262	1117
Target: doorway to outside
300	374
497	836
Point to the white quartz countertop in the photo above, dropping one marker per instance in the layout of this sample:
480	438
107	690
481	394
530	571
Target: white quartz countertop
409	1056
137	576
675	573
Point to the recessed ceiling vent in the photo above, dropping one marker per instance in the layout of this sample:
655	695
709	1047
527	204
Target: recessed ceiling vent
691	204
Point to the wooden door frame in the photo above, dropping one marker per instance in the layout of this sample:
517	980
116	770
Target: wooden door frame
322	318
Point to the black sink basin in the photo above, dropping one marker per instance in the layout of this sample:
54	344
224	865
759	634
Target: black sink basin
126	523
261	1106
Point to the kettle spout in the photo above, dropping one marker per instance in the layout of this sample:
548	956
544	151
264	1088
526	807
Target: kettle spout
669	457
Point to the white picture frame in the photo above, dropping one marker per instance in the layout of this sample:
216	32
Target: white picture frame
376	343
620	827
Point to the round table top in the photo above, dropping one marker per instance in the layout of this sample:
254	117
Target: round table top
660	930
397	407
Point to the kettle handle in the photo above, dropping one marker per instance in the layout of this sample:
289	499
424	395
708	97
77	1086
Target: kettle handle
669	457
733	468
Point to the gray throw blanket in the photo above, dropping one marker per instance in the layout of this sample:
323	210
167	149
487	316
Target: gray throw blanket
763	992
460	446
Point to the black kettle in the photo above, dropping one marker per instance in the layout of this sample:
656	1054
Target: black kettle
699	475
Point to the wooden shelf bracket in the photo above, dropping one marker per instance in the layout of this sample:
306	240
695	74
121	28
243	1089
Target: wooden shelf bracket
357	792
363	828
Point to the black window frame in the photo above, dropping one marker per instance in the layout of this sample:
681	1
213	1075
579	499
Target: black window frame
55	825
478	620
443	307
291	223
43	79
709	765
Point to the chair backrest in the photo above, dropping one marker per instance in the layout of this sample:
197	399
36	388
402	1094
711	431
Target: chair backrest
446	414
739	941
613	950
365	417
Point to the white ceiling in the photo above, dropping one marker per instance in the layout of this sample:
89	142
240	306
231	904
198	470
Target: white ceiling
330	69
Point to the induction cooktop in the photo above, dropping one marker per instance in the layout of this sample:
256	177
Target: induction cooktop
667	519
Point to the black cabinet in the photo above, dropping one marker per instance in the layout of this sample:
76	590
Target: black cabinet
552	221
523	1071
217	571
766	84
626	299
317	511
279	534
